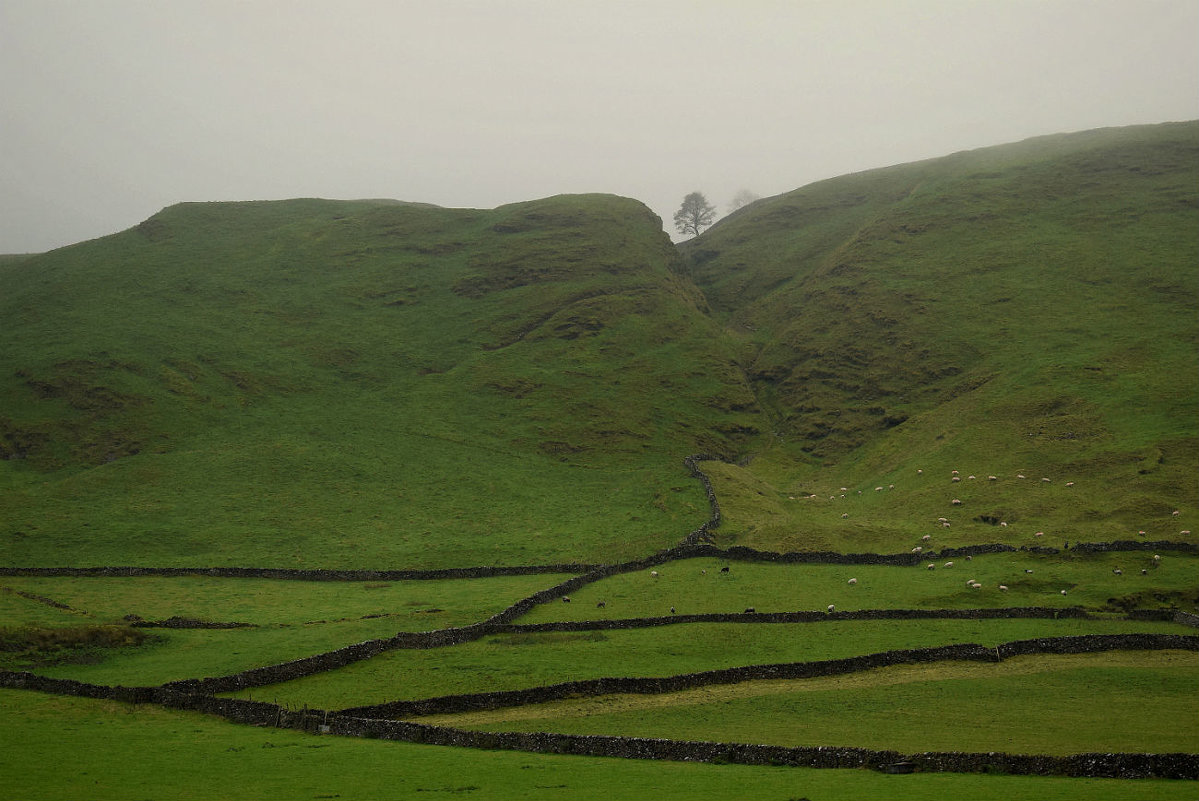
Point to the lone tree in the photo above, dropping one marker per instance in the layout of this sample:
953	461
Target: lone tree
694	215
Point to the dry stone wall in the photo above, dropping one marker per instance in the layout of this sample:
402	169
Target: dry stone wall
1110	765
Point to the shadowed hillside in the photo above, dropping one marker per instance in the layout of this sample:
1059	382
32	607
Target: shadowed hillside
1021	310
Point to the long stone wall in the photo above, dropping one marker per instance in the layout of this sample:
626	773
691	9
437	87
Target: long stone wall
1109	765
468	702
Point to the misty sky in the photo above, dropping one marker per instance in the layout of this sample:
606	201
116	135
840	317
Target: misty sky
113	109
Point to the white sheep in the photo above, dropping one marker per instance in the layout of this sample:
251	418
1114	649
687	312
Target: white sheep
831	607
1003	588
1157	557
949	564
1003	523
853	581
955	478
992	478
1175	513
956	502
931	566
844	515
1063	592
927	537
653	573
1039	534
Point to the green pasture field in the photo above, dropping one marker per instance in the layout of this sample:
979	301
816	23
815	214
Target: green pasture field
697	586
768	505
117	751
519	661
1026	705
410	605
291	619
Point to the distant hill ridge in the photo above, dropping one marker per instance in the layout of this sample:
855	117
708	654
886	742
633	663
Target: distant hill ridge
376	384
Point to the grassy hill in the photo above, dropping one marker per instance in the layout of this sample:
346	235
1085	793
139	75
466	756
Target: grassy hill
359	384
1020	310
384	384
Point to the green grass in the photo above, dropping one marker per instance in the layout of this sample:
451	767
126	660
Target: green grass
301	383
519	661
290	619
381	385
1089	582
1026	705
121	752
1022	308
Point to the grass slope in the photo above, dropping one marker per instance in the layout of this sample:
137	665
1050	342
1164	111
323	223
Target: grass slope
359	384
1026	309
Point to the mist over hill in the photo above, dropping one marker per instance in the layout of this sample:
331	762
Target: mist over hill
385	384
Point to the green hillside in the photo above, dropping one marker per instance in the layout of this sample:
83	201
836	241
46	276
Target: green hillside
1021	310
383	384
360	384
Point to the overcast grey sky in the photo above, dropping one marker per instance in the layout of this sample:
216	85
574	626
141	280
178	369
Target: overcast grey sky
113	109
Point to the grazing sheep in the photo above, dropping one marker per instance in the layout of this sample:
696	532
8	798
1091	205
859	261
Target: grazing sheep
845	515
1157	557
917	549
890	486
1027	570
1186	532
672	610
949	564
1039	534
703	572
1144	572
749	611
653	574
956	502
932	566
992	478
945	524
927	537
1003	588
1069	483
1019	475
1003	523
954	472
1045	480
1118	571
919	472
1175	513
853	581
831	607
565	599
1063	592
969	582
968	557
878	489
955	478
601	605
976	586
971	478
1140	533
942	520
